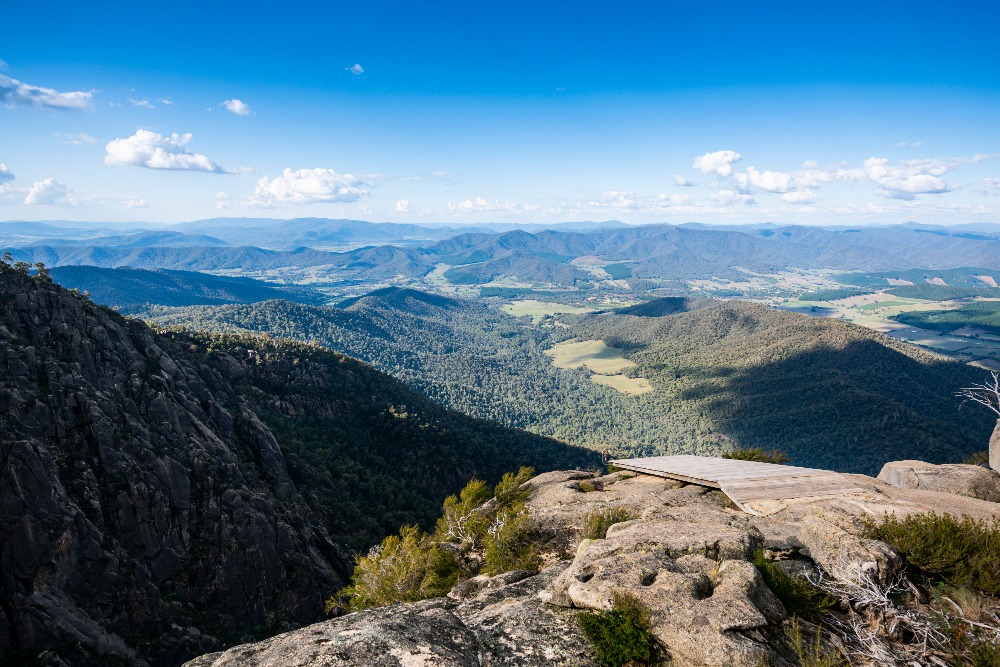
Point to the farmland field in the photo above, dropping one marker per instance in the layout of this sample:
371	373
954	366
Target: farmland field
539	309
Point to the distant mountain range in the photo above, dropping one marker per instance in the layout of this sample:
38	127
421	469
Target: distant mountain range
409	252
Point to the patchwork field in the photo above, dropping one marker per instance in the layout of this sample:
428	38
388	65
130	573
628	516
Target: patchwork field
539	309
607	364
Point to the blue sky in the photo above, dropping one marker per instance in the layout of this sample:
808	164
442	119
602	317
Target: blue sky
846	113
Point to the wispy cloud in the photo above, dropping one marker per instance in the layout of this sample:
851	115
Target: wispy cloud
308	186
482	205
78	138
136	203
355	69
154	151
15	93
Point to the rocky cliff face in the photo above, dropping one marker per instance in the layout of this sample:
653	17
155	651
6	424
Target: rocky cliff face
686	555
154	503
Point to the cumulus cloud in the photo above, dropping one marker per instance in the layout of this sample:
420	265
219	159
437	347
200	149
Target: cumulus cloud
238	107
801	197
78	139
719	162
6	175
15	93
222	199
356	69
682	182
988	182
154	151
617	199
482	205
727	197
136	203
402	206
909	178
771	181
308	186
48	192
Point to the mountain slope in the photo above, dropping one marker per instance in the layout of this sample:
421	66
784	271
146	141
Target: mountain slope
165	494
128	288
724	374
829	393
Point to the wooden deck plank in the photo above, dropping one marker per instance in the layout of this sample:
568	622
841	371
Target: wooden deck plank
743	481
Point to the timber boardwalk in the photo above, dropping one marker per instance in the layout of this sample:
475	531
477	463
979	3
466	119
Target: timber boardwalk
744	481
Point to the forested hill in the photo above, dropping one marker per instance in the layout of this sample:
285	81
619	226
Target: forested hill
163	494
829	393
126	288
724	374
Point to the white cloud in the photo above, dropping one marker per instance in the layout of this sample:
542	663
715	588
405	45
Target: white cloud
3	64
154	151
682	182
165	101
910	144
49	191
144	104
6	175
136	203
308	186
355	69
991	182
14	92
727	197
222	199
771	181
238	107
79	139
800	197
909	178
623	201
668	201
482	205
439	173
719	162
402	206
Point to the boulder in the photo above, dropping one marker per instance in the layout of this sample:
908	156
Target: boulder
995	448
961	480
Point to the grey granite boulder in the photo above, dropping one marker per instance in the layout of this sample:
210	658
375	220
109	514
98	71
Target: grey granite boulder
961	480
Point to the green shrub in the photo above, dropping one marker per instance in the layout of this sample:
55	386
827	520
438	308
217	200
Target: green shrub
620	636
512	546
404	568
796	593
963	552
511	491
811	653
597	522
589	485
463	518
986	654
758	454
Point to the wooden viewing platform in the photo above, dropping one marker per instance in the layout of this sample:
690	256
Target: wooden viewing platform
744	481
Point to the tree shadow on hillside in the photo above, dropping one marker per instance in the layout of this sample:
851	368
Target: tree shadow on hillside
850	409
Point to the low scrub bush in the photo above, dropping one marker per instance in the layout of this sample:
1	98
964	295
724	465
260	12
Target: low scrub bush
478	526
758	454
797	594
404	568
811	653
597	522
621	635
963	552
978	458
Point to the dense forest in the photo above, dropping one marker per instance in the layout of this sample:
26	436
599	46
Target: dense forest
984	315
725	375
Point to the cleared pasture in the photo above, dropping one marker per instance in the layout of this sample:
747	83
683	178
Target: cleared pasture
592	354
